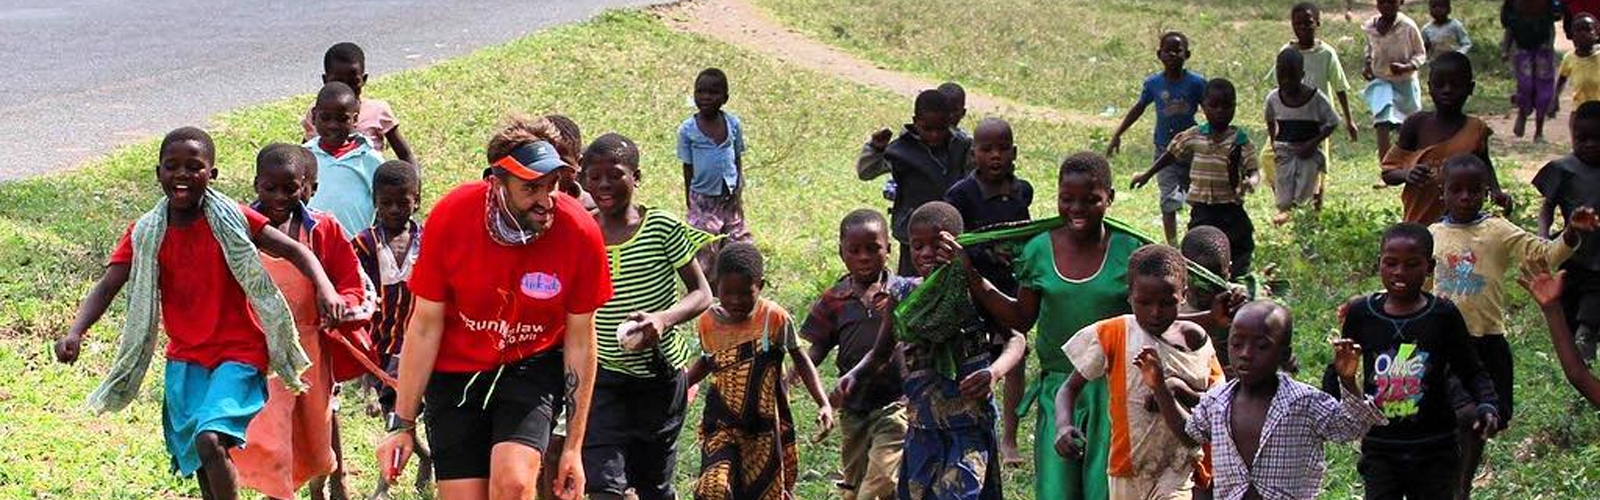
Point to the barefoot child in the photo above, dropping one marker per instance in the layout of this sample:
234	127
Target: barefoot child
1299	120
1580	67
747	437
948	370
1147	460
848	316
1266	429
1475	250
1176	92
1069	277
1395	51
1222	167
711	147
346	159
924	161
1568	184
387	252
346	63
1322	72
1530	38
1444	34
1413	344
1428	139
991	195
227	325
291	439
640	390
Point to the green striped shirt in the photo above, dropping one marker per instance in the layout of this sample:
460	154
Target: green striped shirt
644	278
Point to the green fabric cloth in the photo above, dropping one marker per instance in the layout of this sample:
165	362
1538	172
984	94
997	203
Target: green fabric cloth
936	315
1071	479
136	345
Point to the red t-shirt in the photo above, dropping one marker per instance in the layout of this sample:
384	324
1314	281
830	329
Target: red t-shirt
502	303
207	316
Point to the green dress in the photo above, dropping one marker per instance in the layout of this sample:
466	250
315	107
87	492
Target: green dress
1066	306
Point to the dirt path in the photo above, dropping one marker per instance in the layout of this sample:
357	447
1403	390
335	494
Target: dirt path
740	23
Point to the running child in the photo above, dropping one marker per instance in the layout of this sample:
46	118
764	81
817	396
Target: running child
1444	34
640	389
346	63
948	371
387	251
1222	168
711	147
1428	139
226	322
1568	184
346	159
1147	458
1580	67
872	420
872	158
1530	39
1323	72
291	439
1177	93
924	161
1395	51
993	194
1299	121
1266	429
1476	250
748	450
1413	343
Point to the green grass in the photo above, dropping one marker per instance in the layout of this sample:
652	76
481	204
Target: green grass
628	73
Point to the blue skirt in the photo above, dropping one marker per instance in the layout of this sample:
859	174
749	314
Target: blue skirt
220	400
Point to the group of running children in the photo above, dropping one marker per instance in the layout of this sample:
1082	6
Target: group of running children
1150	384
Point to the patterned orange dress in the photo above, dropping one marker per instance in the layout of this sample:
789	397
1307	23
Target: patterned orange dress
747	437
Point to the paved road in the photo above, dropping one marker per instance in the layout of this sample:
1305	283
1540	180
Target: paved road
78	77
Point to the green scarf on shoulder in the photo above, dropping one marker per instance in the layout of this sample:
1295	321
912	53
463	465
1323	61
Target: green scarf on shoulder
136	345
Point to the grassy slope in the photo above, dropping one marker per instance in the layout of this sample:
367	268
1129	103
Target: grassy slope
1087	56
624	72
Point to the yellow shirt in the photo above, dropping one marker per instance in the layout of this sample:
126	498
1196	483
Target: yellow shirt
1583	76
1473	259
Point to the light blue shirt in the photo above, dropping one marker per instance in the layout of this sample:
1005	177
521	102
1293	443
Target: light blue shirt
714	171
345	184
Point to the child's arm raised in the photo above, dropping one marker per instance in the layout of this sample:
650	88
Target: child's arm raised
89	312
1155	378
328	302
808	374
870	163
1164	161
1353	414
1015	313
1546	290
401	148
1134	113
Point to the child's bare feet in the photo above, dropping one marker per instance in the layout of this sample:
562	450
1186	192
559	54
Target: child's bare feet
1010	455
1520	127
1281	218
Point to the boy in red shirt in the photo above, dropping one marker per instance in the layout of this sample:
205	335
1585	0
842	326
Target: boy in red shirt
222	331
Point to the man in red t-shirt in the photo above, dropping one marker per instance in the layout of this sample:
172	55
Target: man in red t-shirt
507	282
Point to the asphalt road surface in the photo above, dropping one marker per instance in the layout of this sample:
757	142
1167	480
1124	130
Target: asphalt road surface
79	77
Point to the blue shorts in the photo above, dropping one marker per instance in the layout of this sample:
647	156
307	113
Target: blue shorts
1392	101
220	400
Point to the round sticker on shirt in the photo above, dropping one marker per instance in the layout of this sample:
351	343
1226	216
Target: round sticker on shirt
540	285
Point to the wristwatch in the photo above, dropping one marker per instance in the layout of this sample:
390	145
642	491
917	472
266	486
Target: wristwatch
398	424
